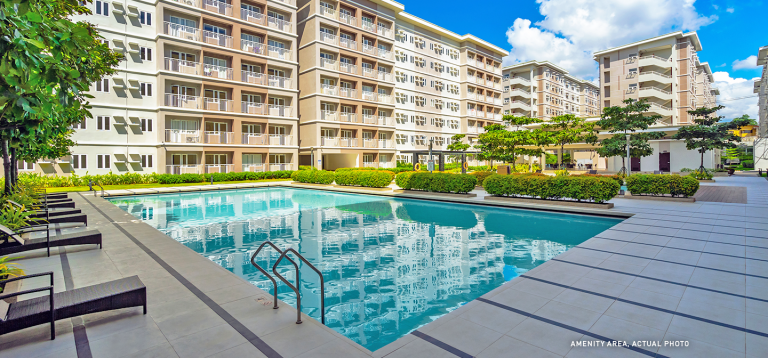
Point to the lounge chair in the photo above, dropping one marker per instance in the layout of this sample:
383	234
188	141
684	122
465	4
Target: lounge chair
122	293
45	236
55	215
592	172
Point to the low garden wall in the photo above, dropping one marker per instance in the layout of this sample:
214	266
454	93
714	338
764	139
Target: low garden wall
436	182
574	188
662	185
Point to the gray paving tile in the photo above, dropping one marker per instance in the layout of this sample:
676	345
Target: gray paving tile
716	335
466	336
609	326
584	300
506	346
568	314
208	342
286	343
648	317
520	300
539	288
695	348
681	256
127	342
333	349
189	322
492	317
420	348
546	336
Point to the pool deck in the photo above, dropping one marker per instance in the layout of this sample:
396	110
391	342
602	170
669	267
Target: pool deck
695	272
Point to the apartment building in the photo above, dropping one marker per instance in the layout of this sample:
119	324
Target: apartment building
761	88
541	89
667	72
206	87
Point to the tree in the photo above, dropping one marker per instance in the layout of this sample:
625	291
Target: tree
498	143
708	132
628	119
457	143
566	129
751	121
47	64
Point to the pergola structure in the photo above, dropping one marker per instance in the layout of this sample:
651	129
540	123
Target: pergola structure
440	157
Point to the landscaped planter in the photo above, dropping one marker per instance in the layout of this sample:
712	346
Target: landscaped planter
312	184
582	204
432	193
361	187
660	198
706	180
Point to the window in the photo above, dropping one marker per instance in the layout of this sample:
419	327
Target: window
102	123
79	161
145	18
103	85
102	8
145	53
146	125
145	89
80	125
146	160
22	165
102	161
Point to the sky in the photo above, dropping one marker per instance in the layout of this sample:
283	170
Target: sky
566	32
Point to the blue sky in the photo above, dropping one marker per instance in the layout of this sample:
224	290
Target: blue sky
567	31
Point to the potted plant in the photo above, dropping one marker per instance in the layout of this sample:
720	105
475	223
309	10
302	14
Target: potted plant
9	269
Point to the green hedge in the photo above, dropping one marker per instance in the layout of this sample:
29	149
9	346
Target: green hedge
313	176
220	177
662	184
436	182
481	175
55	181
366	178
596	189
615	177
393	170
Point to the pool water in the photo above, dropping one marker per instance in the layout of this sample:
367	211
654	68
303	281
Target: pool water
390	265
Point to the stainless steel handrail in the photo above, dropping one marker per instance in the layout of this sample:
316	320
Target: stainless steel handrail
296	288
253	262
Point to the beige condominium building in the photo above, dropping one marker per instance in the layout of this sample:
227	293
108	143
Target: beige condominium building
761	89
666	72
206	87
375	81
541	89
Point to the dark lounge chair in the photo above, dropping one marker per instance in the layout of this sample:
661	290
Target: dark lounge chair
122	293
55	215
45	236
592	171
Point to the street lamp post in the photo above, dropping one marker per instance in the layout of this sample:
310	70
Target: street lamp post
629	159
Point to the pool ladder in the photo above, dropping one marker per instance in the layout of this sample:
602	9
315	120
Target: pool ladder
295	289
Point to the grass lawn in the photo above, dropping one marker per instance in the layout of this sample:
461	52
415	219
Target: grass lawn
153	185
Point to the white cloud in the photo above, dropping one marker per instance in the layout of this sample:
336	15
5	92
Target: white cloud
748	63
573	29
731	88
730	10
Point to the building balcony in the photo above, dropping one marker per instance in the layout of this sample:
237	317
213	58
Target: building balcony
370	73
385	98
279	53
370	96
219	168
278	167
519	105
218	137
383	31
180	66
214	38
348	19
278	24
471	112
385	76
348	92
181	31
254	167
329	116
660	109
218	104
348	117
253	108
253	17
347	43
348	68
324	11
368	26
184	169
329	38
479	80
653	76
218	7
386	144
279	111
280	82
280	139
370	143
369	50
182	101
254	139
182	136
329	90
655	92
329	142
377	120
479	64
253	77
221	72
253	47
517	80
329	64
383	53
370	164
348	142
653	60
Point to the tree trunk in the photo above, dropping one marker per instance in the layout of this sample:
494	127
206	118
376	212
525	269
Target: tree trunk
14	168
7	168
702	161
560	158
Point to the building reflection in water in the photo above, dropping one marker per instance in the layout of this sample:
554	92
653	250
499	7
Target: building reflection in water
390	265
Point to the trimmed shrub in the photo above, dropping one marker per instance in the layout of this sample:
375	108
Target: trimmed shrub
662	184
748	163
615	177
313	176
180	178
403	179
391	170
439	182
701	175
481	175
595	189
366	178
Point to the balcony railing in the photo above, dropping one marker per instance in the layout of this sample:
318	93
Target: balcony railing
655	89
217	71
368	49
219	137
368	26
479	64
350	44
348	92
182	136
192	3
219	168
280	139
370	143
329	116
384	76
329	90
181	31
280	111
329	141
369	96
479	80
289	2
329	38
218	7
182	101
253	77
370	165
348	117
654	57
254	167
329	64
253	17
369	72
348	68
385	98
254	139
279	52
655	73
214	38
386	143
277	167
347	142
385	121
253	47
253	108
278	24
279	81
218	104
328	12
384	53
383	31
369	119
186	67
183	169
348	19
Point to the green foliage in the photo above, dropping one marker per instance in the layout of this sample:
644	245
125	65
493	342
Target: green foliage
365	178
481	175
748	163
457	143
662	184
313	176
568	129
14	217
56	181
562	173
701	175
708	132
245	176
9	269
441	182
623	120
499	144
618	178
180	178
306	167
403	179
392	170
581	188
552	158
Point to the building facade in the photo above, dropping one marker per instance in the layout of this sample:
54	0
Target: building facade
761	88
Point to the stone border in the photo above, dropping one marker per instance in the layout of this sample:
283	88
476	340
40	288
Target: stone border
431	193
580	204
706	180
658	198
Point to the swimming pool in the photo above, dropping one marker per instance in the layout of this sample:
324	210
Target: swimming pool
390	265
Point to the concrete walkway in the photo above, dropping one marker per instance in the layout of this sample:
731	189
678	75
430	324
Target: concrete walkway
683	272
